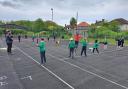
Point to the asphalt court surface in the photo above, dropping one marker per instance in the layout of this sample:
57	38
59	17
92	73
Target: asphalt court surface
22	70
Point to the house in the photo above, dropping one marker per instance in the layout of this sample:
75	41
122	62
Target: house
123	24
81	28
67	27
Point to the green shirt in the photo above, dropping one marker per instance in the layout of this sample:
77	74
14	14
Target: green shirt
71	44
84	43
33	36
96	45
42	46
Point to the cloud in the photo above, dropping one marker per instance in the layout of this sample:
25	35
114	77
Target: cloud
64	9
8	4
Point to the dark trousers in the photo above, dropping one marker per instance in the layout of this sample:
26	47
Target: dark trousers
71	54
95	49
9	47
76	44
33	39
122	44
19	39
83	50
37	41
43	58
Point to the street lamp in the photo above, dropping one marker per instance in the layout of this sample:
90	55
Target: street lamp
5	28
52	13
52	21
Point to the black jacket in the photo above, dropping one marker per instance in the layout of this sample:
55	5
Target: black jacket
9	39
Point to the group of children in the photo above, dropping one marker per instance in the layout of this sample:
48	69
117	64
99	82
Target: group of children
73	46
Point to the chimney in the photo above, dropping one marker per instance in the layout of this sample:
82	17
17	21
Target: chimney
65	25
103	20
96	21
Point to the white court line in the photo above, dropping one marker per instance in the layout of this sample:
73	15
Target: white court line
90	72
92	66
46	68
30	77
67	58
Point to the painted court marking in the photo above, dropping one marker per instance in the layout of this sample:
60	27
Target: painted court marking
80	69
3	83
45	68
3	77
66	58
90	72
29	77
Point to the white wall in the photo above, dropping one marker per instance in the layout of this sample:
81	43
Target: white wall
124	27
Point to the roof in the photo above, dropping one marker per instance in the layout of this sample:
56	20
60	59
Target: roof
83	24
121	21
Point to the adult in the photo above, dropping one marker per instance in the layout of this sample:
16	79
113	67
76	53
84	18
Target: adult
119	43
122	42
9	42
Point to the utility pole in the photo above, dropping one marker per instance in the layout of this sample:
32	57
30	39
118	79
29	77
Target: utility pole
52	13
52	22
76	23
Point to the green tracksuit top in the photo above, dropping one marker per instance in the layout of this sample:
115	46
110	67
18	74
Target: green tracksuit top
33	36
71	44
84	43
96	45
42	46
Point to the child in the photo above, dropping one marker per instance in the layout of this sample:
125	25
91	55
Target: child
96	46
71	46
42	47
105	45
57	43
19	37
84	47
91	48
48	38
33	37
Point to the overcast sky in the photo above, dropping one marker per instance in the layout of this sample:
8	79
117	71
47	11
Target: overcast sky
88	10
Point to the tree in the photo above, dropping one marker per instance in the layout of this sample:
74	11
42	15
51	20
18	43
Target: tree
114	26
1	22
73	23
38	25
